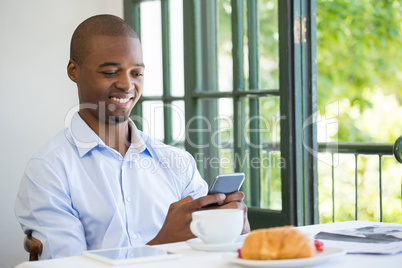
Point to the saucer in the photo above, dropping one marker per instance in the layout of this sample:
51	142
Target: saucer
197	244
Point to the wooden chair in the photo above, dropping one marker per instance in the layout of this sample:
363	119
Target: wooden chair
33	246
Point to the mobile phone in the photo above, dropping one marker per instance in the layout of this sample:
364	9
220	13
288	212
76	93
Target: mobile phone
227	183
130	255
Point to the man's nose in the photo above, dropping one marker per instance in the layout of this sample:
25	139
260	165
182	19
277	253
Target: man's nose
125	82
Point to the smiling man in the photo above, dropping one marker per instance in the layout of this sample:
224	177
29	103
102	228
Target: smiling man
87	188
106	64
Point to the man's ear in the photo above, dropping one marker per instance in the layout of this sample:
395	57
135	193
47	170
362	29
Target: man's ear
72	70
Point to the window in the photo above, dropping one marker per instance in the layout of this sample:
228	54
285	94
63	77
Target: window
247	86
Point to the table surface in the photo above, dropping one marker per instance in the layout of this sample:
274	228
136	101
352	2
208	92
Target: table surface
193	258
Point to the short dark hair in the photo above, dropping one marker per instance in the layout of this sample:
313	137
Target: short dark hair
106	25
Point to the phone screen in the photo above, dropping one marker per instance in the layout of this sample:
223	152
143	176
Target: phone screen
227	183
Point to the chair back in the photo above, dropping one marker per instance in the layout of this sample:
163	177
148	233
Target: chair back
33	246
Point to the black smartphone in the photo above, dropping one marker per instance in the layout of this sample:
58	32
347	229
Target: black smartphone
227	183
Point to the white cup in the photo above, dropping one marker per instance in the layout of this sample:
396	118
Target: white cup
217	226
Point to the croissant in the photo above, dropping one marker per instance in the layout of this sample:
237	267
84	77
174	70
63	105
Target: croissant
277	243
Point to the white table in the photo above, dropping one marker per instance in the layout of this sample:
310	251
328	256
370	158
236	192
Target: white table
193	258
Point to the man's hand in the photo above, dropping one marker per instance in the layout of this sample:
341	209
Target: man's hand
177	223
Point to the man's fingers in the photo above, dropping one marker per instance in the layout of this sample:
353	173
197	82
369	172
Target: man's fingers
233	197
207	200
239	205
187	199
192	205
233	200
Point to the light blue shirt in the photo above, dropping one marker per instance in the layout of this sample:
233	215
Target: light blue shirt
79	194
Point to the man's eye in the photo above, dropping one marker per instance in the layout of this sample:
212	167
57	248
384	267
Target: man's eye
138	74
109	73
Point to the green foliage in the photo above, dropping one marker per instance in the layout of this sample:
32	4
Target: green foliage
359	62
358	54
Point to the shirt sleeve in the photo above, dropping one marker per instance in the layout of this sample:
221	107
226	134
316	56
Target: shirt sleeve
196	186
43	207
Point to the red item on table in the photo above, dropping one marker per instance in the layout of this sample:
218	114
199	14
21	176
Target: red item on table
318	245
239	251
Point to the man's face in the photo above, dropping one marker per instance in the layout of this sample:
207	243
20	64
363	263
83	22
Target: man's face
110	78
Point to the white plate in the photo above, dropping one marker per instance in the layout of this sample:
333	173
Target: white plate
197	244
327	253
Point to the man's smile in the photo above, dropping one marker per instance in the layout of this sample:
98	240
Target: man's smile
120	100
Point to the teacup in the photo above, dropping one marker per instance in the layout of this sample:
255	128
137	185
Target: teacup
217	226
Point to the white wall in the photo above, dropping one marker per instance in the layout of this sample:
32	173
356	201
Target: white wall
36	93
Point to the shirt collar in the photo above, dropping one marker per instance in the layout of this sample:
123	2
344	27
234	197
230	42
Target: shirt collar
137	142
85	139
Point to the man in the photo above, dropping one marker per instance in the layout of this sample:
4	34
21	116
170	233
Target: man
89	188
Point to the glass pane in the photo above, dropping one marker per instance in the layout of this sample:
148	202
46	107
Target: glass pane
176	47
270	161
224	138
245	48
269	120
151	41
268	44
178	123
216	137
153	119
225	61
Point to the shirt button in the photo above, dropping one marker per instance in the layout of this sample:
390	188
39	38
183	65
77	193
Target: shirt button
128	199
134	236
